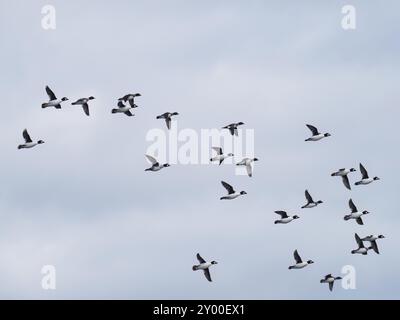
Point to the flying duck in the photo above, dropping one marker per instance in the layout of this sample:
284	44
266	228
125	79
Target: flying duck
361	248
310	202
372	240
299	263
330	280
316	136
355	214
233	128
203	265
167	117
344	174
28	141
220	155
365	178
130	98
155	166
247	162
285	218
53	101
122	108
84	103
232	194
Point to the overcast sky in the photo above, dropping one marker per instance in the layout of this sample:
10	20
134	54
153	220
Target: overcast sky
83	203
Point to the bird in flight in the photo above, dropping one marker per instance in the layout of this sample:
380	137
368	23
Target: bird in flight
28	141
84	103
203	265
316	135
53	101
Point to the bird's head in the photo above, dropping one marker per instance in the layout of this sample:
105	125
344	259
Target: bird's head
255	159
353	170
91	98
310	262
40	142
381	236
377	178
319	202
296	217
166	165
327	134
64	99
365	212
214	262
243	192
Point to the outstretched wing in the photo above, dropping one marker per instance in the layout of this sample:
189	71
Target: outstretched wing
331	286
151	159
168	122
374	246
26	136
228	187
85	107
346	182
283	214
359	241
249	170
313	129
232	130
128	113
359	221
352	206
297	257
328	276
207	274
308	197
132	102
201	260
364	172
50	93
218	150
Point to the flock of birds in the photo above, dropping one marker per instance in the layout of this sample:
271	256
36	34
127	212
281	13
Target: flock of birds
127	103
355	214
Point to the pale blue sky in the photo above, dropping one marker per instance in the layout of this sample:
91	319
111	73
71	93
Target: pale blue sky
83	203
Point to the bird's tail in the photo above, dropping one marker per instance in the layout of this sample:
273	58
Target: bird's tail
277	221
357	183
353	251
44	105
194	268
291	267
74	103
346	218
20	147
114	110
